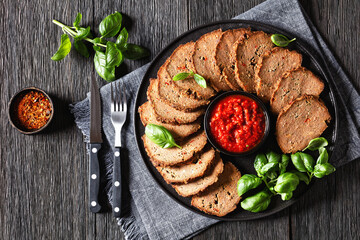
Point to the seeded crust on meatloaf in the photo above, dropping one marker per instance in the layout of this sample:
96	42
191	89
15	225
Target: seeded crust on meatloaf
172	156
270	68
181	61
196	186
223	51
164	112
220	198
293	85
185	172
204	60
305	119
245	55
179	132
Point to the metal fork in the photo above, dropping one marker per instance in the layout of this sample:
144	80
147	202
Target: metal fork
118	118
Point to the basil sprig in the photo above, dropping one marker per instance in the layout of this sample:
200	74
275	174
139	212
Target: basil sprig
271	172
160	136
281	40
108	54
198	78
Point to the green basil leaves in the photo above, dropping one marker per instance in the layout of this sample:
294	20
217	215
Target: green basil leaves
258	202
286	182
133	51
198	78
107	73
316	144
247	182
281	40
64	49
160	136
111	25
321	170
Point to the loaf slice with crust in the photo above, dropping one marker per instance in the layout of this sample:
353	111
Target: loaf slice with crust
305	119
172	156
270	68
246	54
293	85
200	184
147	115
164	112
184	172
220	198
181	61
223	52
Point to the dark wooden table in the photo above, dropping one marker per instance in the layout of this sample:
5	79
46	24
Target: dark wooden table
43	178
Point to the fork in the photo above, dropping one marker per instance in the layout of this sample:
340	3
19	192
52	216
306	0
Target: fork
118	118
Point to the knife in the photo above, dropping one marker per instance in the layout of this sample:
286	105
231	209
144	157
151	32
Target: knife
94	146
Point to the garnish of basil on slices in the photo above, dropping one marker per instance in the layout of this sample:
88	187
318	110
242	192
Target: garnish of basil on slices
281	40
160	136
198	78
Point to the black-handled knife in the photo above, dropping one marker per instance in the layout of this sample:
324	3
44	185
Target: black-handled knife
94	146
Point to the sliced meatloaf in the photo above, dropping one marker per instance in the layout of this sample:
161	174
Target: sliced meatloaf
246	54
200	184
173	95
164	112
305	119
184	172
181	61
172	156
147	115
204	60
222	55
220	198
270	68
293	85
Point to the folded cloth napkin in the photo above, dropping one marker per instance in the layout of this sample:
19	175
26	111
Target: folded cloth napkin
151	214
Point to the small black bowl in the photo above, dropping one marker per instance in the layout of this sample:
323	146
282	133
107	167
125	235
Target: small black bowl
207	123
12	109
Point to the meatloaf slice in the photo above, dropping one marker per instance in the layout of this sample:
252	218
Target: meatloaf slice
293	85
246	54
164	112
172	156
204	60
184	172
222	55
270	68
181	61
200	184
147	115
302	121
220	198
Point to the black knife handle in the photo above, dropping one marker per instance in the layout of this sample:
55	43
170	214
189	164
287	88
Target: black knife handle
94	177
117	183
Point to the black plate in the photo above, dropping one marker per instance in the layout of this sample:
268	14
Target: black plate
245	164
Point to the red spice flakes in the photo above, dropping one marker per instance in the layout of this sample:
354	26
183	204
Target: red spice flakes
307	120
33	110
243	64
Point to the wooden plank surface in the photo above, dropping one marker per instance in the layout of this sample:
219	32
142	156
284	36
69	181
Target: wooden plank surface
44	177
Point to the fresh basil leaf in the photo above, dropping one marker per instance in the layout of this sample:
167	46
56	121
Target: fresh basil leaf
286	196
284	163
298	162
111	25
98	40
273	157
82	33
316	143
271	175
281	40
107	73
321	170
286	182
181	76
160	136
302	176
323	157
308	161
269	167
113	56
258	202
64	49
133	51
77	20
81	48
200	80
247	182
260	161
123	37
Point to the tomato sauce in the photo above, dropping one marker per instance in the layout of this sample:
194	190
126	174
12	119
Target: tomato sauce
237	123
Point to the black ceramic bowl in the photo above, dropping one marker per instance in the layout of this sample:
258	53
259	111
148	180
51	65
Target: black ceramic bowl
13	105
208	116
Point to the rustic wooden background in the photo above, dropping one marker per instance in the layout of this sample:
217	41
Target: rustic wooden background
43	178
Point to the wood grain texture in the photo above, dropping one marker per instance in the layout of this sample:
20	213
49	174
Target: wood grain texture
43	178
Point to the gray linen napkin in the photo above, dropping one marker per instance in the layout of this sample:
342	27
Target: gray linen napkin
151	214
